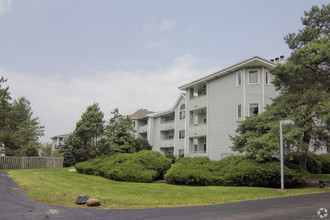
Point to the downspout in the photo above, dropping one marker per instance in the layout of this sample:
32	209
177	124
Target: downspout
263	88
244	98
185	152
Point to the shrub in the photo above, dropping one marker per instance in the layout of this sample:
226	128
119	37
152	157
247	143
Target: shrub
233	170
314	164
171	157
241	171
144	166
191	171
325	161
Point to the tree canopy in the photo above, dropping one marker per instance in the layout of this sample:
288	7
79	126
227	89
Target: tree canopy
87	139
303	82
18	129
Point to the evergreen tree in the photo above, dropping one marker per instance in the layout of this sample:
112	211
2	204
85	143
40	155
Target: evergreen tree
68	158
304	85
17	126
141	144
120	133
87	139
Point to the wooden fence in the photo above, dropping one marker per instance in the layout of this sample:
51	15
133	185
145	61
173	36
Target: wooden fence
30	162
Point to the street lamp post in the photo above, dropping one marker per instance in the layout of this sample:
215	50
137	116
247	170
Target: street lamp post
284	122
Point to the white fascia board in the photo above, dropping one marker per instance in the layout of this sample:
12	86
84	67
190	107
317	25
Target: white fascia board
160	113
262	61
181	96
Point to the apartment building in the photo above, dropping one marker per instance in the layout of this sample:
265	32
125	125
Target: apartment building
206	114
59	139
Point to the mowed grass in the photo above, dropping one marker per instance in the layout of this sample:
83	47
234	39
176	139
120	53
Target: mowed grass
60	187
320	176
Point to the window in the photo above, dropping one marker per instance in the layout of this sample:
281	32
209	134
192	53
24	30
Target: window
239	78
181	134
181	152
204	148
239	111
170	136
253	109
182	115
266	78
182	107
195	148
253	77
182	111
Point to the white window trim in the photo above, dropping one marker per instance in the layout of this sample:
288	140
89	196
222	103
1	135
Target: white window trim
249	76
237	77
181	138
184	115
258	107
237	111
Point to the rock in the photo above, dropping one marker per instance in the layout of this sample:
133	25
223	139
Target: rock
93	202
72	170
82	199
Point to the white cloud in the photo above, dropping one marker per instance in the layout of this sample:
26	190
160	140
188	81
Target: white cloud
4	6
162	25
59	101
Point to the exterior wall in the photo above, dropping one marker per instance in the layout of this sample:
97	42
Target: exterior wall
179	125
221	103
211	112
57	140
223	97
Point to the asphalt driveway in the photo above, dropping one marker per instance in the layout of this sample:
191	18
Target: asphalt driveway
14	204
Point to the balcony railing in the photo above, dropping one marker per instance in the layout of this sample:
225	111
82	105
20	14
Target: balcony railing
198	124
143	129
198	152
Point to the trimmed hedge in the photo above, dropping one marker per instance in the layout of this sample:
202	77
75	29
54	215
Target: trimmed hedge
144	166
231	171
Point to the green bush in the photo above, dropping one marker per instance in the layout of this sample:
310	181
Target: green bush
314	164
325	161
171	157
191	171
231	171
144	166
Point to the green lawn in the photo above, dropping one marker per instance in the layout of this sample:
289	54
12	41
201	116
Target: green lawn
60	187
320	176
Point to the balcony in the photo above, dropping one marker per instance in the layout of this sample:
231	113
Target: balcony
143	129
166	143
197	146
197	102
197	130
169	125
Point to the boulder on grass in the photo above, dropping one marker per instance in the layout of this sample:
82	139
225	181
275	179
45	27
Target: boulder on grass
93	202
82	199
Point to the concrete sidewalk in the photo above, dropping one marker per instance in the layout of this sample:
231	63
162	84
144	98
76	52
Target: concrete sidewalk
16	205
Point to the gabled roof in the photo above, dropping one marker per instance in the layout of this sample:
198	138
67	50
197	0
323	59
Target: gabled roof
140	113
181	96
253	61
164	112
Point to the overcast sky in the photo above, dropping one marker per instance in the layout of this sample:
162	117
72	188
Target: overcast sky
64	55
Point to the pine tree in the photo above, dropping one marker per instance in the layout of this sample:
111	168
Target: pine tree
304	85
87	141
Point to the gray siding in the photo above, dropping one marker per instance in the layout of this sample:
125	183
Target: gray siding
223	97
